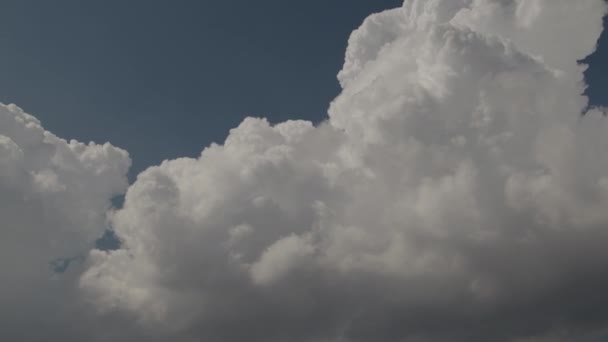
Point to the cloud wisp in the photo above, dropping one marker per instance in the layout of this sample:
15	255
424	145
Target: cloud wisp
456	192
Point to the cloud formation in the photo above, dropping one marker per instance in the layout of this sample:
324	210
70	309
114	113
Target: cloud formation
54	195
457	192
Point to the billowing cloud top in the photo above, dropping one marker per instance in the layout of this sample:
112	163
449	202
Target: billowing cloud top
457	192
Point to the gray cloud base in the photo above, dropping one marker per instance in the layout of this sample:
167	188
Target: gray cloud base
455	193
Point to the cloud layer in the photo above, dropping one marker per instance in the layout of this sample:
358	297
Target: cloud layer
457	192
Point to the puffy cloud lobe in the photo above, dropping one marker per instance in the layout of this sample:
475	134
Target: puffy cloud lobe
65	185
455	193
53	198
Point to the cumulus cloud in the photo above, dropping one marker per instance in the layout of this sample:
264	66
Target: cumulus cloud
53	200
457	192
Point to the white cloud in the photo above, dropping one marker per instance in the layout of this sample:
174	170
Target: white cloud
53	200
455	193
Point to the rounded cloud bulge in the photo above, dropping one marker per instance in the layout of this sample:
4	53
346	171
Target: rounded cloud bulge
456	192
54	196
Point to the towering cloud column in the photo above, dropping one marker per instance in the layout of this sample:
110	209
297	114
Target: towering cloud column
457	192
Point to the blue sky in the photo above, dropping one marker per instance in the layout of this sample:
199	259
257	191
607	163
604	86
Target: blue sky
163	79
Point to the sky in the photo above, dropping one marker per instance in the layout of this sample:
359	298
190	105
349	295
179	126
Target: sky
164	79
429	173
